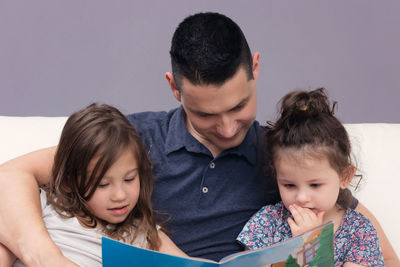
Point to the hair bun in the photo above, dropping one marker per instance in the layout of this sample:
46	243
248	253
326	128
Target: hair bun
304	104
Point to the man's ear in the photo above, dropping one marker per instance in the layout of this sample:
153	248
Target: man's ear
347	176
256	65
174	89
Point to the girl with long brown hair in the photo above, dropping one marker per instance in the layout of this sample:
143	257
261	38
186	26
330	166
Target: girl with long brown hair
102	185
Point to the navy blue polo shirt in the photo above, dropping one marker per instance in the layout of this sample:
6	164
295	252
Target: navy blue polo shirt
208	200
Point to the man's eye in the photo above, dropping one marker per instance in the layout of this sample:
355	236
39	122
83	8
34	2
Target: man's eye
204	115
239	107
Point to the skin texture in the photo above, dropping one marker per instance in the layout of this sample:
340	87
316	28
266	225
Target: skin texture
309	188
219	116
118	191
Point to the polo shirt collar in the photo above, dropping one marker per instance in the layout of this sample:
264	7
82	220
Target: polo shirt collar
248	148
179	137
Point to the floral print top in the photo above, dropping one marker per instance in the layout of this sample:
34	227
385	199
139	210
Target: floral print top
355	240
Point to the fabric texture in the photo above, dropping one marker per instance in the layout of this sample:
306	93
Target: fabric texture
355	240
206	200
79	244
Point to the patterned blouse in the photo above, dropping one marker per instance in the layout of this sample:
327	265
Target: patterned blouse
355	239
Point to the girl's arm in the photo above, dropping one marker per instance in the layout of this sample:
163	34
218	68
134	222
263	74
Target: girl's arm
168	246
7	258
22	229
389	255
352	264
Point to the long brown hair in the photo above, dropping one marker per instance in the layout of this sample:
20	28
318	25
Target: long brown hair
307	122
101	132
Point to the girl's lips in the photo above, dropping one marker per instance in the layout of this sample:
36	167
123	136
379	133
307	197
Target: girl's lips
119	210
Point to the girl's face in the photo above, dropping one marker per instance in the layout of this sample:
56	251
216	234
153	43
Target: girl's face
306	181
118	191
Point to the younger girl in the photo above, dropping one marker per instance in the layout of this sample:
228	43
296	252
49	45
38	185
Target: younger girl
310	162
102	185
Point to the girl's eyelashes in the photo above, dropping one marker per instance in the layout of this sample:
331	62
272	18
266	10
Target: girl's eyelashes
315	185
289	185
129	179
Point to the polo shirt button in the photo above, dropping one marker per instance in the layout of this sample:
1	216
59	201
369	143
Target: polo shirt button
212	165
204	189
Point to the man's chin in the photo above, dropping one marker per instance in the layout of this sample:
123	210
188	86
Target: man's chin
227	143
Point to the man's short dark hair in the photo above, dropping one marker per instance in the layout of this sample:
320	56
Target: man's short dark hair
208	48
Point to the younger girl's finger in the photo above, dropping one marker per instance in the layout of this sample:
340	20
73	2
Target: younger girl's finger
293	226
296	213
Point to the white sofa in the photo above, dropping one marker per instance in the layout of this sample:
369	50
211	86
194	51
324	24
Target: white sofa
375	146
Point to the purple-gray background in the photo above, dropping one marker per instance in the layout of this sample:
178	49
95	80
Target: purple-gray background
57	56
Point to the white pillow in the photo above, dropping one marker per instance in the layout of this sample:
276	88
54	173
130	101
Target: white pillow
20	135
376	147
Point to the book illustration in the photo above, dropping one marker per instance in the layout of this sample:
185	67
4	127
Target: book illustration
312	248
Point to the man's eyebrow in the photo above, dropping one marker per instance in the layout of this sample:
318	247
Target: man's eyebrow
240	104
201	112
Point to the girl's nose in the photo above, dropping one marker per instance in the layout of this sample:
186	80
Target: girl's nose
302	197
118	194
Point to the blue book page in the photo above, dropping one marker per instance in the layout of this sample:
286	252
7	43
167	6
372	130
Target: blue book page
313	248
117	254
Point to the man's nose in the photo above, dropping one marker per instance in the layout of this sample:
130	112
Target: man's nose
227	127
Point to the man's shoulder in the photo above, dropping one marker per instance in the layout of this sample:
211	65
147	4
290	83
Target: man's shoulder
142	117
153	125
150	119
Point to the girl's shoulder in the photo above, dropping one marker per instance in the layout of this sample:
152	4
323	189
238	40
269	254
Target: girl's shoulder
356	240
355	226
356	220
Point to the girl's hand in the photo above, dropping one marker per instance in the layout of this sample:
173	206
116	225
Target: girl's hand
304	219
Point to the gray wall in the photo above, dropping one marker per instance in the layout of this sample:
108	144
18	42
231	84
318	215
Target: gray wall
57	56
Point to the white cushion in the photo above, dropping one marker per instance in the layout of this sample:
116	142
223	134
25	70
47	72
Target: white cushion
376	148
20	135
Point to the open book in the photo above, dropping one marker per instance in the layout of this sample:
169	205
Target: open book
312	248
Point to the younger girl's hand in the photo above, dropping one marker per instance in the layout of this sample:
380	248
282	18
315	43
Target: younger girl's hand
304	219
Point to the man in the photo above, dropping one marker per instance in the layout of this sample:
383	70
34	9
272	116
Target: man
207	165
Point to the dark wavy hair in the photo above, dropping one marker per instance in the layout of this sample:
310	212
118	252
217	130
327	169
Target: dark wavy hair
100	132
208	48
307	122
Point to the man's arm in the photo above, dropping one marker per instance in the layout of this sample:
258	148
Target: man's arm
22	229
389	255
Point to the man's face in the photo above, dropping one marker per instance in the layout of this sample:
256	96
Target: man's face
220	116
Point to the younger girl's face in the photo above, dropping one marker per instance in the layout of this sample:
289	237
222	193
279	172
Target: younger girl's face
118	191
306	181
